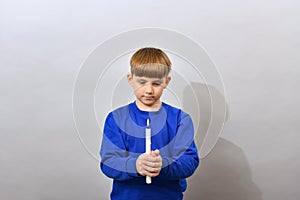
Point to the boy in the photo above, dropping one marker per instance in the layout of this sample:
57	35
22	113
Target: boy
174	155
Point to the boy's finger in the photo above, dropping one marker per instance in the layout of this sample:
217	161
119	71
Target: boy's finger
152	158
152	164
151	169
155	153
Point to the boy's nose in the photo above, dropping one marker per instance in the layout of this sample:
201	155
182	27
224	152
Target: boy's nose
149	89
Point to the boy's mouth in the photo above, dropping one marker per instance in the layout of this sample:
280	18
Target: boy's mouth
149	97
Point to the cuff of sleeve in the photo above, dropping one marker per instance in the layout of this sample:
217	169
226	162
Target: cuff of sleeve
131	167
165	166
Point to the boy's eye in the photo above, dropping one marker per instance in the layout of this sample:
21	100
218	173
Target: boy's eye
156	84
141	82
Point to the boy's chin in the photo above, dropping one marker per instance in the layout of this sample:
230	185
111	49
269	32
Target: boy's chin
150	105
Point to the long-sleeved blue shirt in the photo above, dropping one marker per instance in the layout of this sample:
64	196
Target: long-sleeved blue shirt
123	141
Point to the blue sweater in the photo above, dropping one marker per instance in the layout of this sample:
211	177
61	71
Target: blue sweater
123	141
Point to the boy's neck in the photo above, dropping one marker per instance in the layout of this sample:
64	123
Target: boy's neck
143	107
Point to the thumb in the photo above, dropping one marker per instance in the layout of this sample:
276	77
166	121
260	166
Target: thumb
155	153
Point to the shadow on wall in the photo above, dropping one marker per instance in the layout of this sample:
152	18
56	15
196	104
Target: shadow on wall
225	173
208	109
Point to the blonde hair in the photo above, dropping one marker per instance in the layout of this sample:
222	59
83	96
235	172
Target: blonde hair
150	62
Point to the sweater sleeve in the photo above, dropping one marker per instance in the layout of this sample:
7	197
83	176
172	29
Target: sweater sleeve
116	162
181	159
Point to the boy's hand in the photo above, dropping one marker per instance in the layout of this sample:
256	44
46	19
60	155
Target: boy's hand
149	164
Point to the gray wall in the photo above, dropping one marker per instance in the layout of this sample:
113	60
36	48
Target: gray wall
255	45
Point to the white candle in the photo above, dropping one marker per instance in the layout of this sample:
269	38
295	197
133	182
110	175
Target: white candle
148	146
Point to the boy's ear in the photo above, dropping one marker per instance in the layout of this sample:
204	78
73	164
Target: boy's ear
129	79
168	79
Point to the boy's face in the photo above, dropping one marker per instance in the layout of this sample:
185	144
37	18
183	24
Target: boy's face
148	90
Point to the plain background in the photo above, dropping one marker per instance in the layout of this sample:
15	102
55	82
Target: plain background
255	45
